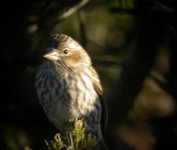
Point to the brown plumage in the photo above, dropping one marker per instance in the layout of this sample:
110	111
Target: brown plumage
68	86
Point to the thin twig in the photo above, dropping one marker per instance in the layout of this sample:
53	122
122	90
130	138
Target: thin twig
73	9
70	11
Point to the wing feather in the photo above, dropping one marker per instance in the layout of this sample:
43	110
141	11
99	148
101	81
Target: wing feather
99	90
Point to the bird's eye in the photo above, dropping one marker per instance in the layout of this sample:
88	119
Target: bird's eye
65	51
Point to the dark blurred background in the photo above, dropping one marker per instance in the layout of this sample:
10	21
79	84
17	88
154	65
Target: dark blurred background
133	45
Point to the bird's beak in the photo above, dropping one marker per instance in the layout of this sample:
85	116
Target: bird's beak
52	55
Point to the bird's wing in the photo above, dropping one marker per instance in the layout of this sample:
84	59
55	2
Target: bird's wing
98	89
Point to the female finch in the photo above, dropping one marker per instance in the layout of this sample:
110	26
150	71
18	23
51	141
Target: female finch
68	87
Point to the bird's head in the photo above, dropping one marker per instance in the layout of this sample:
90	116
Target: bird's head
65	50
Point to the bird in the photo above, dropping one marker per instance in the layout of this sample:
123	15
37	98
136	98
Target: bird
68	86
